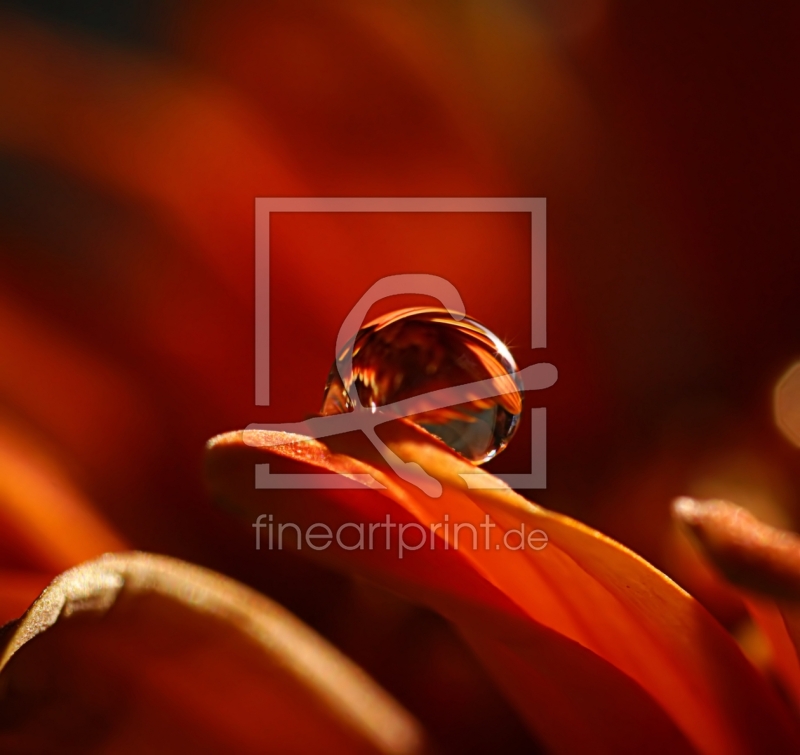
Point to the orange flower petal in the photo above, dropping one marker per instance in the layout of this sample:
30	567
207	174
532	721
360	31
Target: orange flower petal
601	600
67	390
764	562
46	524
523	654
141	653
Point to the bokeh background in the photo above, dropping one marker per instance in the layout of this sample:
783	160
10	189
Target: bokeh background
134	137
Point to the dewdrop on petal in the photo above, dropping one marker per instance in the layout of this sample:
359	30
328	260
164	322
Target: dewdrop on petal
415	351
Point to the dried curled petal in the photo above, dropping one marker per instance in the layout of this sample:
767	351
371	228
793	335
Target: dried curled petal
764	562
748	552
138	653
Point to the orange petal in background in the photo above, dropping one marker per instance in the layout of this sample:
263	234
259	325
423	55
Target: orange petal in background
586	638
47	524
137	653
764	563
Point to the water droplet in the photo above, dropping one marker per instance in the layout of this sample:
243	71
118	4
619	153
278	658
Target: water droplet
416	351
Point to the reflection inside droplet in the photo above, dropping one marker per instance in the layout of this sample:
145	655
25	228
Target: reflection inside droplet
415	351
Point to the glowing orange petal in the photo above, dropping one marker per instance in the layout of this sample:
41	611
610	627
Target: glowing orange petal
607	602
486	617
141	653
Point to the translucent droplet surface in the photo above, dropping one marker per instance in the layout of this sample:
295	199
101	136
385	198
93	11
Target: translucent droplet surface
413	352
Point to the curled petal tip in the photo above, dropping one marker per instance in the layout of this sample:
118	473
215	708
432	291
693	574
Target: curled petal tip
750	553
687	510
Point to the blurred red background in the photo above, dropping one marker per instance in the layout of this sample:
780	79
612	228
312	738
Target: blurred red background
134	138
